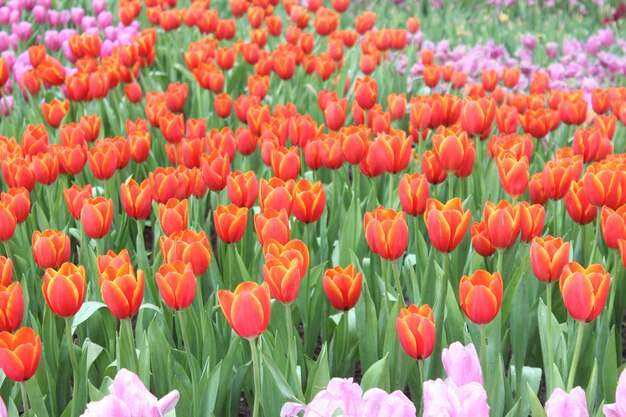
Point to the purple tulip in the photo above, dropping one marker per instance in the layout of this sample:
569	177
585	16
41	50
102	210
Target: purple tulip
87	22
462	364
54	18
446	399
105	19
77	14
529	41
98	6
562	404
618	408
14	41
39	13
23	30
6	105
594	43
110	32
606	37
552	50
52	40
4	41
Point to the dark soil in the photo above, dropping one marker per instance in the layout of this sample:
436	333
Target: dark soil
244	409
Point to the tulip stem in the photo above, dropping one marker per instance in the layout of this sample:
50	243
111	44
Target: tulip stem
70	344
391	189
292	347
257	377
483	351
550	370
420	366
396	277
574	365
25	404
7	249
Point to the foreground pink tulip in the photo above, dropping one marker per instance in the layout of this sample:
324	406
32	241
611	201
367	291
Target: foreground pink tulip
562	404
445	398
462	364
618	408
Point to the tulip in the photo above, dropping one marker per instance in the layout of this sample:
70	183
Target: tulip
562	404
272	224
96	217
577	204
176	96
416	331
431	167
573	112
548	257
46	167
136	198
506	119
276	194
292	250
64	289
247	310
242	188
557	178
18	202
477	115
6	271
613	224
532	220
140	143
413	192
285	162
8	222
335	113
103	160
215	170
462	364
133	92
445	398
55	111
446	223
342	286
480	239
366	92
392	151
20	354
452	150
177	284
173	215
187	246
51	248
172	127
75	198
481	296
282	276
11	306
166	183
605	186
513	173
396	104
502	222
122	290
618	408
386	232
309	200
18	172
230	222
584	291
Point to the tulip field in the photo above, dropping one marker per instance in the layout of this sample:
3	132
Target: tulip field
313	208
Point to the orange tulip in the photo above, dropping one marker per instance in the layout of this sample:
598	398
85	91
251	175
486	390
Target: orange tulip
573	112
536	192
20	354
416	331
453	150
242	188
177	284
558	176
489	79
413	192
584	291
122	290
247	310
577	204
176	96
613	223
96	216
285	162
477	115
6	271
605	185
136	198
187	246
600	101
292	250
272	224
606	125
548	257
276	194
502	222
366	92
55	111
309	200
75	198
510	76
431	75
392	151
480	239
173	215
18	202
11	306
51	248
386	232
230	222
446	223
342	286
8	222
513	173
282	276
506	119
480	296
103	160
431	167
64	289
335	113
531	221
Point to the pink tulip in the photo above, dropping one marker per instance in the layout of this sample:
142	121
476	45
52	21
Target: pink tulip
77	14
562	404
98	6
618	408
3	409
446	399
108	406
462	364
142	403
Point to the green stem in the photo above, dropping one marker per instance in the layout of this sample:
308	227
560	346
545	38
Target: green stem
391	191
574	365
25	404
70	343
595	239
396	277
420	366
483	351
500	264
257	377
550	370
7	249
188	352
126	335
293	360
440	306
450	187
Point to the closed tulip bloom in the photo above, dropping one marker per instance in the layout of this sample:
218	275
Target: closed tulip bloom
506	119
51	248
584	291
11	306
8	222
46	167
386	232
591	144
285	162
187	246
537	123
292	250
416	331
502	222
166	183
477	115
532	219
480	296
561	404
64	289
272	224
242	188
431	167
176	96
140	143
215	170
573	112
309	200
173	215
230	222
342	286
247	310
557	178
513	173
420	114
6	271
102	160
451	149
75	198
396	104
136	198
18	202
606	125
18	172
480	239
276	194
577	204
335	113
172	127
20	354
354	143
177	284
282	276
510	76
366	92
55	111
613	223
446	223
413	192
122	290
96	216
536	192
605	186
548	257
392	151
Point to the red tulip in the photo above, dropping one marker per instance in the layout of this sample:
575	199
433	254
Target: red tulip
51	248
122	290
64	289
548	257
230	222
481	296
187	246
247	309
386	232
11	306
446	223
416	331
584	291
309	200
96	216
20	354
177	284
342	286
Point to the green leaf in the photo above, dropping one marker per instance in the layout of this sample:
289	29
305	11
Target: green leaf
277	377
609	369
377	376
86	311
319	375
350	231
536	408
